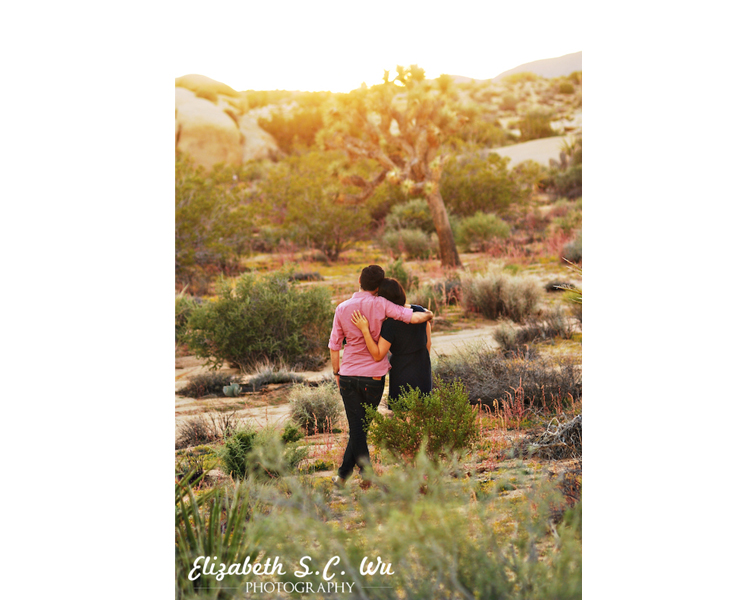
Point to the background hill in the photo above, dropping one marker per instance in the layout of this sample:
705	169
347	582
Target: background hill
549	67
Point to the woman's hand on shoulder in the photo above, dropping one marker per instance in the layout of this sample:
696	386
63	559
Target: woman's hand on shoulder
360	321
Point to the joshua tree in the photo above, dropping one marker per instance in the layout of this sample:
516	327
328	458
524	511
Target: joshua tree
401	124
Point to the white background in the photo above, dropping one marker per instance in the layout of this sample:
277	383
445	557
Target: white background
87	279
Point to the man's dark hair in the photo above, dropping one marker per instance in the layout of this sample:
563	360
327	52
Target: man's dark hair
371	278
392	290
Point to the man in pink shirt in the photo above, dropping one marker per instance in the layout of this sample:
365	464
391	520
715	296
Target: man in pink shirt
362	380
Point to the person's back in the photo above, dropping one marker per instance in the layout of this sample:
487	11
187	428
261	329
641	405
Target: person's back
410	358
356	359
359	377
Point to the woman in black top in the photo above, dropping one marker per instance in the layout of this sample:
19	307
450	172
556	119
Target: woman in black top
409	344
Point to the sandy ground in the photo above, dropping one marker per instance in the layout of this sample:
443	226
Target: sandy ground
541	151
271	408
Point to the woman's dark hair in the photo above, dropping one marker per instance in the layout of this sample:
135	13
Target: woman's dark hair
392	290
371	277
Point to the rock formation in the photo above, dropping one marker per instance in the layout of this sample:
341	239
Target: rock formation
211	124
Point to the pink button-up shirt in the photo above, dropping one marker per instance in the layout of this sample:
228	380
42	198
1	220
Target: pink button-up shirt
356	359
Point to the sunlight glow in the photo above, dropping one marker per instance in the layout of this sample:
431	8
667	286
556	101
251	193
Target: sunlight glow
336	46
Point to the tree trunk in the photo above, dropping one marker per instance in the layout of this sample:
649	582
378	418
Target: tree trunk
447	246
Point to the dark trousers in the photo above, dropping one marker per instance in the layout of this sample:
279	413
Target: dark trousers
357	393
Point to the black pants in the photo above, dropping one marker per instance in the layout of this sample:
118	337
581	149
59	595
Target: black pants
357	393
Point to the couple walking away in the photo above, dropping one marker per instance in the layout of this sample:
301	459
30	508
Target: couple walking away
361	321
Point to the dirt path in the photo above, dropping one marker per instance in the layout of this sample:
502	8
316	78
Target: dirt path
270	407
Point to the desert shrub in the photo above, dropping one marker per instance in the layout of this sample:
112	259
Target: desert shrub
509	102
482	127
486	544
299	195
414	243
566	215
212	226
521	77
265	373
192	466
473	183
207	384
396	270
554	323
480	229
443	420
205	429
573	250
535	125
309	276
291	433
565	87
565	177
194	432
576	77
435	297
270	456
316	409
184	306
488	375
298	127
235	451
194	463
262	318
429	298
497	295
414	214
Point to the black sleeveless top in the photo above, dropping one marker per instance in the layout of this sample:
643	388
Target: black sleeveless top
410	361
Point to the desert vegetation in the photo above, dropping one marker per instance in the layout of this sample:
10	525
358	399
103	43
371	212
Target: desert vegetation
487	467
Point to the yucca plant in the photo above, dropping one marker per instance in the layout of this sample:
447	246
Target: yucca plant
212	523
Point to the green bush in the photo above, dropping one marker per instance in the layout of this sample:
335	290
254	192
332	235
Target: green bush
566	87
473	183
184	306
291	433
396	270
479	229
212	225
497	295
316	409
235	451
443	421
262	318
481	543
414	214
489	375
300	193
414	243
298	127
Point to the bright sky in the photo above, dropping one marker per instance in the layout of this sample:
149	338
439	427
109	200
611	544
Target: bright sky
336	45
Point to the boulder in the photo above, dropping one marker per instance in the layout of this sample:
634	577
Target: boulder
204	131
212	125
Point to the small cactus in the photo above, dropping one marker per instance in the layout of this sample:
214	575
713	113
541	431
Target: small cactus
232	390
